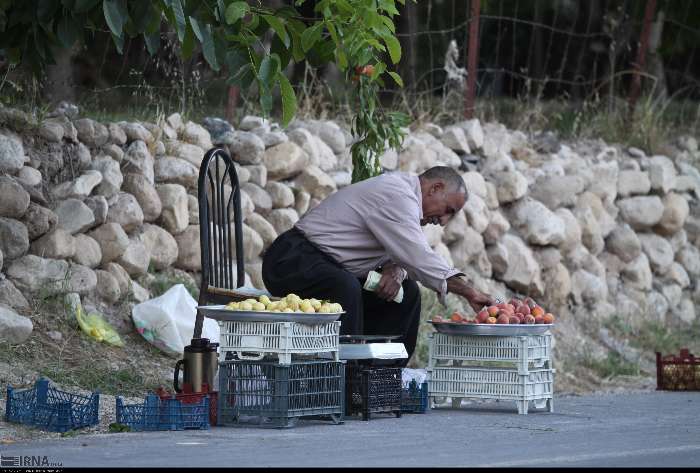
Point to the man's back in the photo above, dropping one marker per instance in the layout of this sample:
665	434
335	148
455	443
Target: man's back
338	225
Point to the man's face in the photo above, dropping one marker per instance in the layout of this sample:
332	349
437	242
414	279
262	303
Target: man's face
439	206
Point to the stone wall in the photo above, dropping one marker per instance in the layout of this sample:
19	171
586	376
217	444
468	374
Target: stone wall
88	207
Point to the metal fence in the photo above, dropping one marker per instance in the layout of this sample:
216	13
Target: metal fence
554	49
461	55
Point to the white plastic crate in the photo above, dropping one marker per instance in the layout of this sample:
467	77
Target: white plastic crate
501	384
253	340
523	350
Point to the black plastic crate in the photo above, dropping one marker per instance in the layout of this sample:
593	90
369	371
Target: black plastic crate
414	397
268	394
372	390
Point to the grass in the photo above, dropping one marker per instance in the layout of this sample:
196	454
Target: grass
611	366
652	336
164	280
647	336
430	306
76	360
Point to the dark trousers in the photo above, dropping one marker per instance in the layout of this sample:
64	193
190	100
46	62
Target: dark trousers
292	264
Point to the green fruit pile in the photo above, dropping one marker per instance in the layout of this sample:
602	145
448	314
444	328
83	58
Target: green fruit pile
291	303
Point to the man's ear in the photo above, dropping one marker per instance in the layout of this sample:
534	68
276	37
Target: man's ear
437	186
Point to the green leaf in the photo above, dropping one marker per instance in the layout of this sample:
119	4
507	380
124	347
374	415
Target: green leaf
343	5
82	6
155	21
116	15
389	23
322	53
188	43
252	22
119	43
203	33
311	36
220	11
388	6
180	21
379	69
372	19
287	12
394	48
67	32
152	42
289	99
333	32
235	59
236	11
277	25
266	101
296	28
376	44
239	68
284	53
342	59
397	78
269	68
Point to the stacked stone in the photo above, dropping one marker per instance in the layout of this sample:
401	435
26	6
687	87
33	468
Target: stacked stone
87	208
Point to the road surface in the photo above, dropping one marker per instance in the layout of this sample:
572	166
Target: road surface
639	429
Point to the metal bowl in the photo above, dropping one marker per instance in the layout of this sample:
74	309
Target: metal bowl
495	330
220	312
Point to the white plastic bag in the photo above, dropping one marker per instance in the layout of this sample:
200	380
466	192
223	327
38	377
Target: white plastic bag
409	374
168	321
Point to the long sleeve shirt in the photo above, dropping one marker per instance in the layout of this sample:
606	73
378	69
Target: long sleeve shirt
376	221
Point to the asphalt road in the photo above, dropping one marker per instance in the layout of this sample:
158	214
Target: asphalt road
632	430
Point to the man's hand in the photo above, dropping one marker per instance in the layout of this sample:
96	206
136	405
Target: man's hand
476	299
390	282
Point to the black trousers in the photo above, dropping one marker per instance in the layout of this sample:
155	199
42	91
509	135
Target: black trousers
292	264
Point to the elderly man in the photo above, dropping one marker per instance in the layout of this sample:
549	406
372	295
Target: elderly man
373	225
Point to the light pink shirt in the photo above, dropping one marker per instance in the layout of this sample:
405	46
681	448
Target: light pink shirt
376	221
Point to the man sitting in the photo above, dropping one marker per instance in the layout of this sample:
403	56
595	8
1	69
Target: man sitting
373	225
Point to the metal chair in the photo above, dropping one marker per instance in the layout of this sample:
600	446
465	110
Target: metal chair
219	198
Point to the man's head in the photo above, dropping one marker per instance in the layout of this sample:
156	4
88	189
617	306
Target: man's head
444	194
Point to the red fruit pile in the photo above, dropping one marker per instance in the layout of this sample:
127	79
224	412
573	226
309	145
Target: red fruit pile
516	311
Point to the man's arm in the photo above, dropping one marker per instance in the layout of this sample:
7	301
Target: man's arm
476	299
405	243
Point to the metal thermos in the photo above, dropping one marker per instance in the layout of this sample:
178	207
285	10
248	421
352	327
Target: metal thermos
200	363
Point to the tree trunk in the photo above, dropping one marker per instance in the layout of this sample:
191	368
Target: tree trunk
656	63
59	83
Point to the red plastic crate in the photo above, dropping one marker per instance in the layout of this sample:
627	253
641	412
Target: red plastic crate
194	398
678	373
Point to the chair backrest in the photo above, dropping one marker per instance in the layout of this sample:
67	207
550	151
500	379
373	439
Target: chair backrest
219	197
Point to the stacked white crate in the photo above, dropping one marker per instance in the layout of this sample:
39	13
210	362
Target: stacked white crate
254	340
515	368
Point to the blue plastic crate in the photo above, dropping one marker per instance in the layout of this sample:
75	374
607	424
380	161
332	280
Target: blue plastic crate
414	398
163	414
51	409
